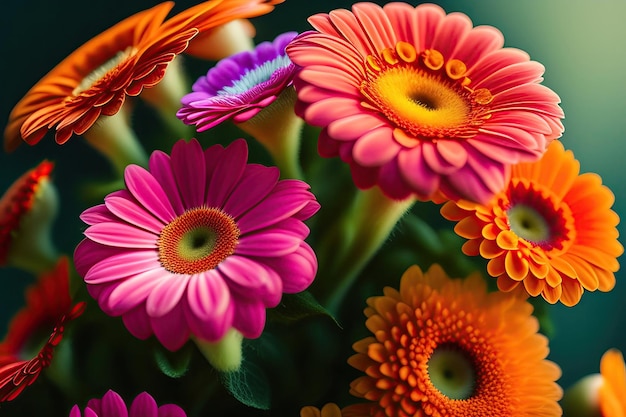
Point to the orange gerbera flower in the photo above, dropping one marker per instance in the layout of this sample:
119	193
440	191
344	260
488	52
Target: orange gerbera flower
446	347
96	78
551	229
612	392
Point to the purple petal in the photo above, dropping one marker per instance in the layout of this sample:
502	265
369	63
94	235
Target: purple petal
189	169
249	318
124	206
144	406
171	410
88	253
138	323
147	190
166	295
252	279
133	291
75	411
297	269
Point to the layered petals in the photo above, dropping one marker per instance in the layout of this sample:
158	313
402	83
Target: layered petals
419	102
112	405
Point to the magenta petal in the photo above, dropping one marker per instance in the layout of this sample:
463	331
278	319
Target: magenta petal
161	169
208	295
417	173
171	329
297	269
88	253
228	171
267	243
167	294
75	411
249	318
122	205
171	410
256	183
188	164
113	405
376	147
89	412
122	265
147	190
144	406
392	183
97	214
252	279
121	235
133	291
138	323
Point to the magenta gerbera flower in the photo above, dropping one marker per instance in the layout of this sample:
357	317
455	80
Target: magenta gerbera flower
200	243
240	86
420	102
112	405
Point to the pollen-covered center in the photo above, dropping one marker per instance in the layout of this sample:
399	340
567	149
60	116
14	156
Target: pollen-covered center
452	372
198	240
424	95
538	216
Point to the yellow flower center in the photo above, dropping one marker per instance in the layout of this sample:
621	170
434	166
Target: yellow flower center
452	372
538	216
101	71
198	240
424	95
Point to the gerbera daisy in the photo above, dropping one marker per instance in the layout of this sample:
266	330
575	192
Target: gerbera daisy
550	230
447	347
239	87
418	101
27	211
95	79
48	305
332	410
200	243
603	394
112	405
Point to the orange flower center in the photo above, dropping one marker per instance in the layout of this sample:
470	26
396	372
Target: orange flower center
538	216
423	95
198	240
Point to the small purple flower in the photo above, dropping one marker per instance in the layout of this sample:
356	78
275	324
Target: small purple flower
240	86
112	405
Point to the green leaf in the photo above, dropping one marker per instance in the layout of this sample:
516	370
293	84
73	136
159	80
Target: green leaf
173	364
294	307
249	385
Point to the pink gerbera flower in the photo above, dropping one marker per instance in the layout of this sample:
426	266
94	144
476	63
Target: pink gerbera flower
418	101
200	243
112	405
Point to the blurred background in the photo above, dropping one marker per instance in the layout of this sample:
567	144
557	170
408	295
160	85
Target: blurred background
581	43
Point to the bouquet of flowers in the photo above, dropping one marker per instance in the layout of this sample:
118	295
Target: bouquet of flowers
370	217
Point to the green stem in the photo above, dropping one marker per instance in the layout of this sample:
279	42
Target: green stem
350	245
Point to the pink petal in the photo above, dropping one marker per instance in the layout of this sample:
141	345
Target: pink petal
251	279
429	17
171	410
228	170
453	152
113	405
138	323
161	170
97	214
355	126
188	165
88	253
434	159
297	269
144	406
480	41
492	62
322	112
121	235
146	189
171	329
122	265
267	244
75	412
133	291
208	295
249	318
451	33
374	23
376	148
124	206
418	175
392	183
516	74
166	295
256	183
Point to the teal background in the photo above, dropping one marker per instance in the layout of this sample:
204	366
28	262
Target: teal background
581	43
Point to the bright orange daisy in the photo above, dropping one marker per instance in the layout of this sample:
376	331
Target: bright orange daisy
447	347
550	230
98	76
612	392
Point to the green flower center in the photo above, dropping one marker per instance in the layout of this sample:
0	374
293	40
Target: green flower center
528	223
452	372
